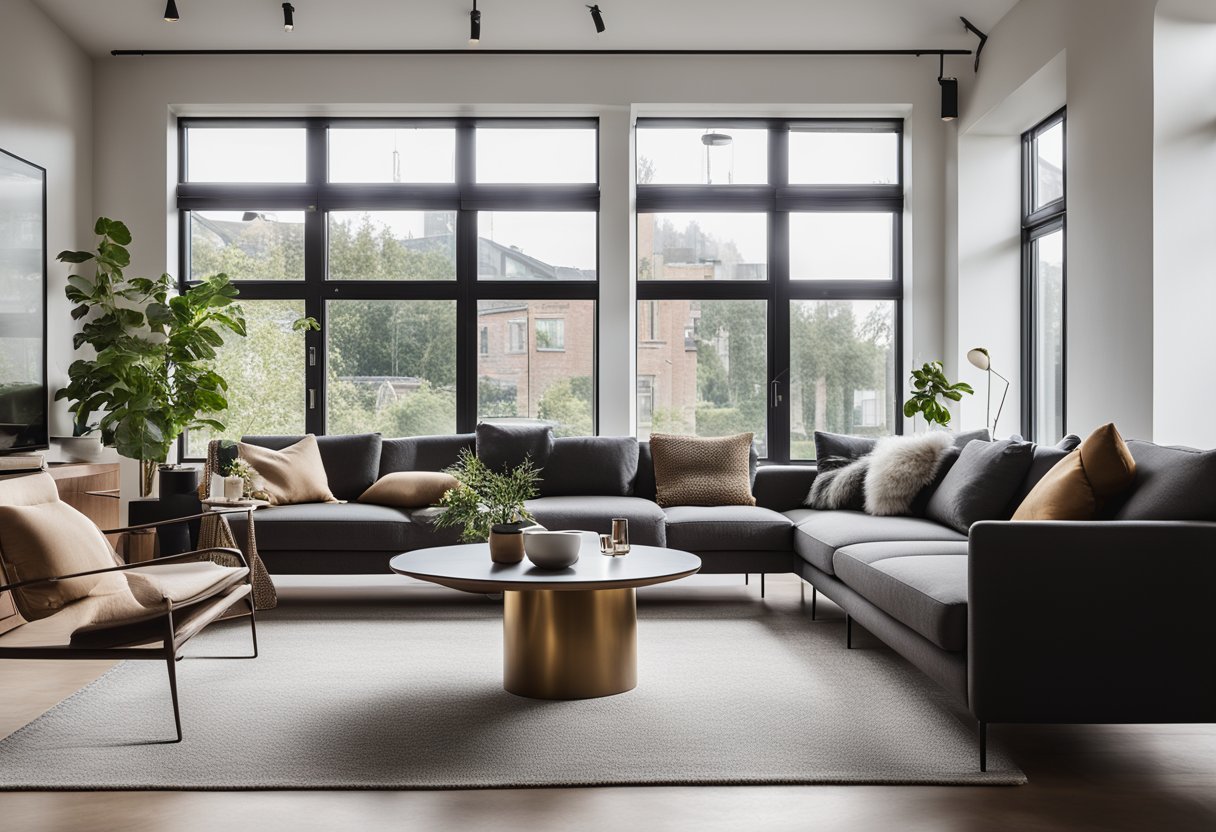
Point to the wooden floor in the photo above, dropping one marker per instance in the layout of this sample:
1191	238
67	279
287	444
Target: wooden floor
1081	778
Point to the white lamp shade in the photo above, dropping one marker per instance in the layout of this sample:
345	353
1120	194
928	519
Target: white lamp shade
979	358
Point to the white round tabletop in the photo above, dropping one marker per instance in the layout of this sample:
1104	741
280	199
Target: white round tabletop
468	567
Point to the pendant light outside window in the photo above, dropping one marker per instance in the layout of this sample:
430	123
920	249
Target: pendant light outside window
171	15
289	20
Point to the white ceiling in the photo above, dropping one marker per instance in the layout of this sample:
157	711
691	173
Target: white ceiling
102	25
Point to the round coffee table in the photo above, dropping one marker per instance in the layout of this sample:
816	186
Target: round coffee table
568	633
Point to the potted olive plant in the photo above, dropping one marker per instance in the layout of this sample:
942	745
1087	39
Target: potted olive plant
489	505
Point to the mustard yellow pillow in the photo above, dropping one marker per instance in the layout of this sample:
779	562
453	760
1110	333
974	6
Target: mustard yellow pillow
292	475
1079	484
409	489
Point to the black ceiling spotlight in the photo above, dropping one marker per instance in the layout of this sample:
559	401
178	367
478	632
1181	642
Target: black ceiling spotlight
474	25
289	20
949	91
598	18
171	15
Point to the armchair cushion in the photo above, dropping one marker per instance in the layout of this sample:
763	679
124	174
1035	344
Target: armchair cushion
46	541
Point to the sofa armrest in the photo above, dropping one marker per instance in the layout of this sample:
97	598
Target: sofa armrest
1092	622
782	487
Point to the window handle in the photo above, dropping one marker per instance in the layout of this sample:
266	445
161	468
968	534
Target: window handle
312	398
312	356
775	394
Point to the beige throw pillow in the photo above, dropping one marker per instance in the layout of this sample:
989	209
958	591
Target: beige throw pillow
48	540
409	489
292	475
702	471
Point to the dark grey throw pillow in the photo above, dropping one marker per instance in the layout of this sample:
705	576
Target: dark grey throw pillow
840	487
981	484
1043	460
591	465
842	446
1172	483
504	446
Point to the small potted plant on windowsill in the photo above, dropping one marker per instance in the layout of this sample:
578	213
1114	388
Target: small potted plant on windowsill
489	505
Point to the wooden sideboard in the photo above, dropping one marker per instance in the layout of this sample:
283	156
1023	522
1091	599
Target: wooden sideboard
92	489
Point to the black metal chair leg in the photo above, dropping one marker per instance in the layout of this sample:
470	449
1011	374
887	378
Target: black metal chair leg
177	713
814	598
848	631
983	745
253	625
761	584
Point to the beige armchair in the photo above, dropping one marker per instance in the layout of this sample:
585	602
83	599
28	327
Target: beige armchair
79	600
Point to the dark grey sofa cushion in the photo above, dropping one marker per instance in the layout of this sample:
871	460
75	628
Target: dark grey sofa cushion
423	453
727	528
591	466
352	461
920	584
505	445
842	446
594	514
644	485
981	484
818	534
338	527
782	487
1044	459
1172	483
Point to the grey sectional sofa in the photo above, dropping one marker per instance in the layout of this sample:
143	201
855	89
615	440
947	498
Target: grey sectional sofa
1105	621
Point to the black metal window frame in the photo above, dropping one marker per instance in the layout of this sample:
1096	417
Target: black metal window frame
778	199
1037	223
316	197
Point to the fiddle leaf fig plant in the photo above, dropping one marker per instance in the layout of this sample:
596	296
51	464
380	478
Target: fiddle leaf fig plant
153	373
928	383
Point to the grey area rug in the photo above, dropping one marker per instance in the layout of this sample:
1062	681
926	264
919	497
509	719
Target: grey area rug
409	696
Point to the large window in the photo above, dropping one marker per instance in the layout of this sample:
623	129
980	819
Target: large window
769	279
451	263
1043	279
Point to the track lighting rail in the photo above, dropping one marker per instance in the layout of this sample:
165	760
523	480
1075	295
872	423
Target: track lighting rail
125	53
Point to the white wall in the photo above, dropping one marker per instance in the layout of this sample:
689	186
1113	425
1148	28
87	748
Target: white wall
1107	51
137	100
46	116
1184	199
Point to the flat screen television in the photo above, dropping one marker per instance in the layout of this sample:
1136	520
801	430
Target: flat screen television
23	384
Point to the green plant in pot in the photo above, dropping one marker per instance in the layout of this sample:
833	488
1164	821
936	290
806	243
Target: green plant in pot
153	374
929	383
489	505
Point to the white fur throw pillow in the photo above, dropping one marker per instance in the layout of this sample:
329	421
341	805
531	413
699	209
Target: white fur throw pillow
900	466
841	488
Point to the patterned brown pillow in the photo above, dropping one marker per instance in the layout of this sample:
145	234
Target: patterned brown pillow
702	471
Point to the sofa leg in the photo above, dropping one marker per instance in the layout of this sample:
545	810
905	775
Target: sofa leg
983	745
814	598
848	631
761	584
747	579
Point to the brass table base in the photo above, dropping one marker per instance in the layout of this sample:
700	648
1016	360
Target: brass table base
570	644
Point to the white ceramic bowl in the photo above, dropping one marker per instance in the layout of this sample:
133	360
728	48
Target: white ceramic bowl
552	550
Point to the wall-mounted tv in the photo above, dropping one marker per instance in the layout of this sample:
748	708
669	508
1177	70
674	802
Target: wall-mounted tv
23	385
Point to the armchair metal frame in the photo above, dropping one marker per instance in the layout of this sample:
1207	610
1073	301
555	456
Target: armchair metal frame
173	635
